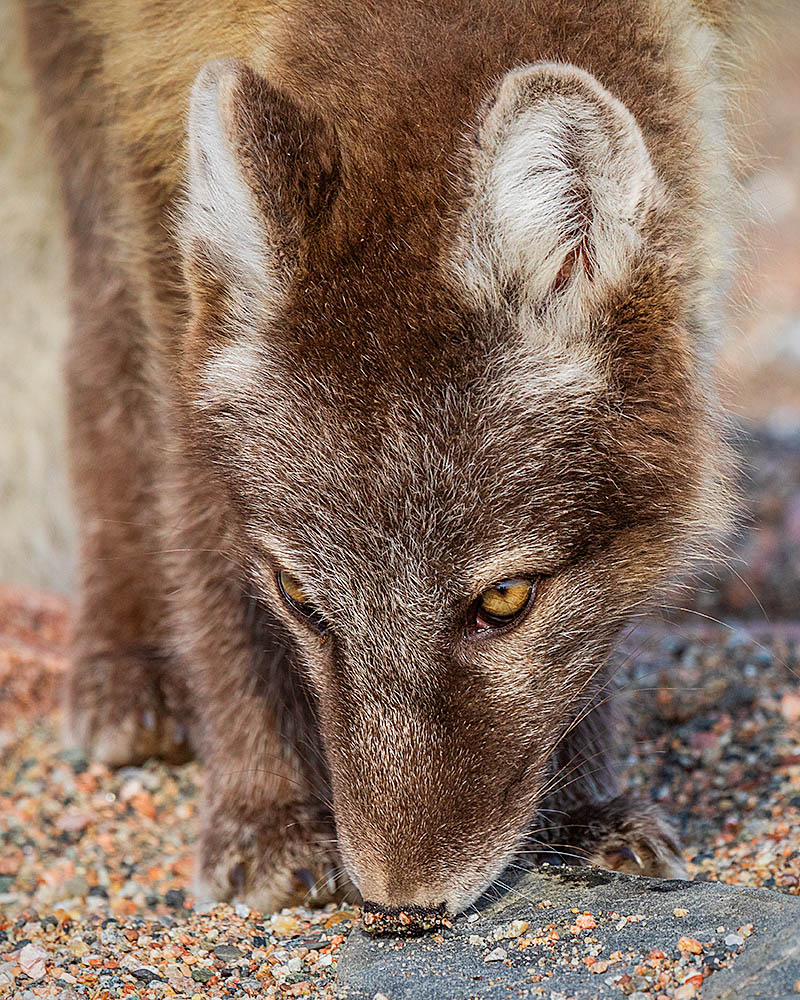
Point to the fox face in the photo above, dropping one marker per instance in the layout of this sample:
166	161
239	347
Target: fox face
452	391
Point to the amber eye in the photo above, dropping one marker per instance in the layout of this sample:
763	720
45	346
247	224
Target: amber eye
501	605
295	597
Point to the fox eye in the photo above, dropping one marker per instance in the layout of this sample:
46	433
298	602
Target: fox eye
296	600
501	606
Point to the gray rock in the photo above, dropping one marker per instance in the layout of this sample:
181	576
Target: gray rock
633	916
227	953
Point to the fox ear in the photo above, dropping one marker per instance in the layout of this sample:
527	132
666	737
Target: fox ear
562	183
260	169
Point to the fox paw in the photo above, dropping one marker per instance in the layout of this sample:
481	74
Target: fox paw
116	713
277	861
634	837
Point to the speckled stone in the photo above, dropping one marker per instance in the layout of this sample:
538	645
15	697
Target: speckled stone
634	917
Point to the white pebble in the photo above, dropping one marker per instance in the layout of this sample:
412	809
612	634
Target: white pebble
734	940
498	955
241	910
32	960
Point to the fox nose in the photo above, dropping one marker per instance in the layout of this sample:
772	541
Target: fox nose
408	920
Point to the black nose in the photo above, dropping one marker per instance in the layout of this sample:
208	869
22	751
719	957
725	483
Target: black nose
408	920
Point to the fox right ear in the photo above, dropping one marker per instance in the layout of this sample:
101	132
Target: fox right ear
562	185
260	169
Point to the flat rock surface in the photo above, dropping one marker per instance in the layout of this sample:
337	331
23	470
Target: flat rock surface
575	933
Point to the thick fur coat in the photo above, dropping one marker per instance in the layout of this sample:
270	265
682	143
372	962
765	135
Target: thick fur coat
398	301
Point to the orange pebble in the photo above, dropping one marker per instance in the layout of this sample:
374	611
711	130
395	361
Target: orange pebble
143	804
691	945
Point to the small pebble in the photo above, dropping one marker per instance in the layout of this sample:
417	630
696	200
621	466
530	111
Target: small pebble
227	953
33	961
201	907
145	974
517	928
498	955
175	898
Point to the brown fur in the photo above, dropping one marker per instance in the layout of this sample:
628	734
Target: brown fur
383	442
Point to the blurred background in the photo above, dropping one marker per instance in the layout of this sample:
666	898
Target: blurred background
759	362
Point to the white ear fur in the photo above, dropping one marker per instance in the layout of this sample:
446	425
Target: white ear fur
220	210
563	180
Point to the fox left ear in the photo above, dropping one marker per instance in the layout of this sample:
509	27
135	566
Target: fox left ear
562	182
260	170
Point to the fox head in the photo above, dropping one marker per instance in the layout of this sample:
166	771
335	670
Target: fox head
447	371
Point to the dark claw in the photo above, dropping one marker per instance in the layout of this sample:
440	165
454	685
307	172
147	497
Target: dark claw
624	854
237	877
306	878
331	879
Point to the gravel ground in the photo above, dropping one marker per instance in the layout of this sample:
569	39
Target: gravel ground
95	865
716	720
